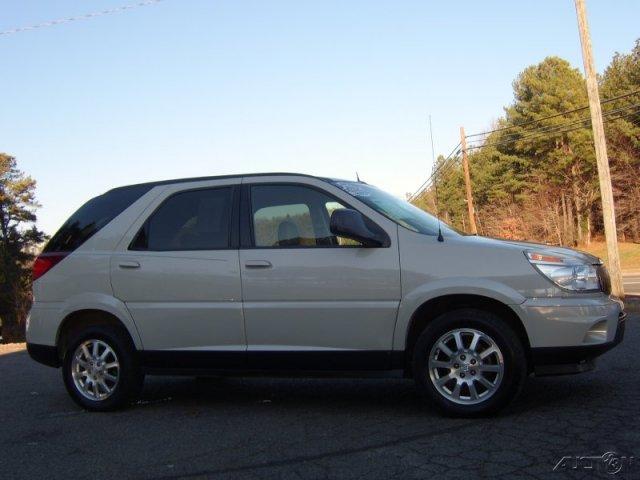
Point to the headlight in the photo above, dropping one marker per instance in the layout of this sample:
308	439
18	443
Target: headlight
566	272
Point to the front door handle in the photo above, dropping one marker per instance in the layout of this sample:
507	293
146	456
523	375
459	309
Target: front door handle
129	264
257	264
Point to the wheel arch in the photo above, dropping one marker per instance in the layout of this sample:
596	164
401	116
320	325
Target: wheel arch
78	319
434	307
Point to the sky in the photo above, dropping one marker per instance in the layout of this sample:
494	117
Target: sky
187	88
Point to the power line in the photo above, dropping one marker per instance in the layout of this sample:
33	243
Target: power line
531	122
447	166
455	151
555	129
86	16
428	180
540	132
444	166
550	132
550	128
443	173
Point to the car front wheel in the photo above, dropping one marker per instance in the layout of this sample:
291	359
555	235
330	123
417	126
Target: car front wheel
469	362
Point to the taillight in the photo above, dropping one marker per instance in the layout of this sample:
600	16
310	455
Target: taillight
46	262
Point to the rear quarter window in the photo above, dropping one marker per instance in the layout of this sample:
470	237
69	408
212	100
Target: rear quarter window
93	216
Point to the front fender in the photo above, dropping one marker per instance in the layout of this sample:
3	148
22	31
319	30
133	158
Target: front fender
450	286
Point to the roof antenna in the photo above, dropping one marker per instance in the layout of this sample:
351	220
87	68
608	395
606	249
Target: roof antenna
358	178
435	182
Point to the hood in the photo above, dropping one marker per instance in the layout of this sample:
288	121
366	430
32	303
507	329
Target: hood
581	257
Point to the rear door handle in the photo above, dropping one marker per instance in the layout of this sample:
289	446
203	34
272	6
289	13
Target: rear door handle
257	264
129	264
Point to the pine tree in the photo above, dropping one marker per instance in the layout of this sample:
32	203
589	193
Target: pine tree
18	239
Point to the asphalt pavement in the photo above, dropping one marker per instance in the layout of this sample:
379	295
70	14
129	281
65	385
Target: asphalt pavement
248	428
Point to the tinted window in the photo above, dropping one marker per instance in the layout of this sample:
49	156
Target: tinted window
293	216
92	216
194	220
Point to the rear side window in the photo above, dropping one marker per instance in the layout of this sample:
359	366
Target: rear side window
193	220
92	216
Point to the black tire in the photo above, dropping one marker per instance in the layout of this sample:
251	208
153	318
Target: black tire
130	378
513	354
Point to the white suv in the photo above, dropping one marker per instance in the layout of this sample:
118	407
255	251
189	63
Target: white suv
297	274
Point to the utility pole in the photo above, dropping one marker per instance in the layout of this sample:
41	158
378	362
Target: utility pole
608	208
467	182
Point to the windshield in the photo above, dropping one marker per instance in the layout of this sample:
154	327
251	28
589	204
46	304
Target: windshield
395	209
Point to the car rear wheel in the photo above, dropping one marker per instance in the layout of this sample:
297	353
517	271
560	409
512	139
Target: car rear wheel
469	362
100	370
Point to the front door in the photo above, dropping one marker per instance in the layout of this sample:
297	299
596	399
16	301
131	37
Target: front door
312	300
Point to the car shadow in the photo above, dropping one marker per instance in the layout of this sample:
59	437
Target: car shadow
397	397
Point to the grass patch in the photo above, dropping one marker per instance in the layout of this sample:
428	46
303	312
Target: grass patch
629	253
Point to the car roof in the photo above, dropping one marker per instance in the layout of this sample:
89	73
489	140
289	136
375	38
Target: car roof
150	185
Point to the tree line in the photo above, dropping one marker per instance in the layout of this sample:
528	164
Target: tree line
534	173
19	242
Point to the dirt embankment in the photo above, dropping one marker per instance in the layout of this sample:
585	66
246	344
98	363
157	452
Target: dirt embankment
11	348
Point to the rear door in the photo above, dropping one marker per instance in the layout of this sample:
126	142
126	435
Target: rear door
177	272
312	300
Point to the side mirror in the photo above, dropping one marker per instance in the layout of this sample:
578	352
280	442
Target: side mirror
351	224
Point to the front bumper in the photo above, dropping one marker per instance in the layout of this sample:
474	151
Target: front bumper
573	359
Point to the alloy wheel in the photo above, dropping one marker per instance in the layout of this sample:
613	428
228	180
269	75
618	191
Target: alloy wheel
95	369
466	366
